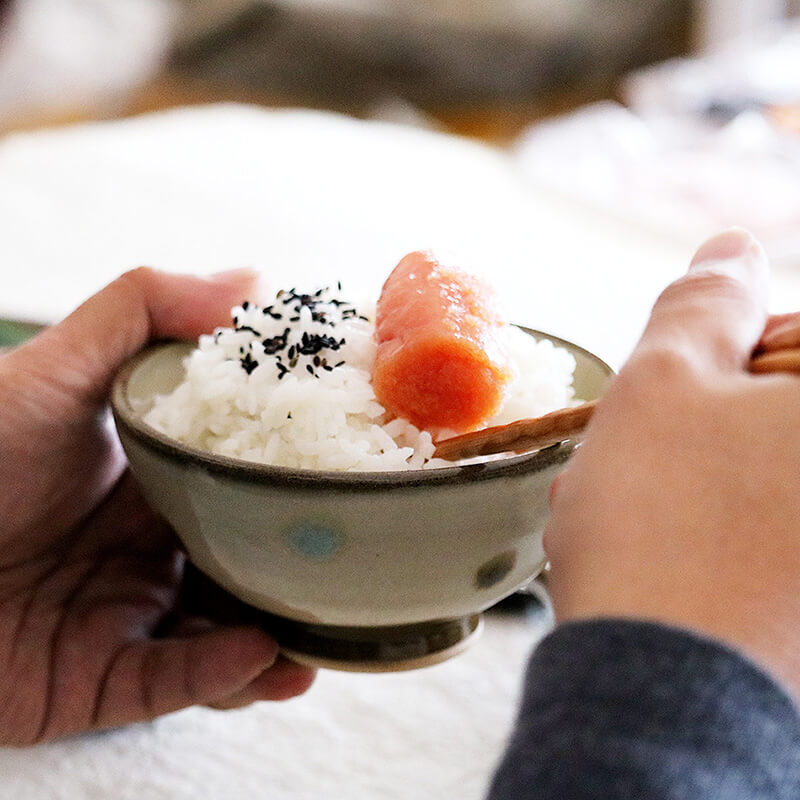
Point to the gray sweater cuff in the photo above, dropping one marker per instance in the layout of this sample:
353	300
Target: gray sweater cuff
628	709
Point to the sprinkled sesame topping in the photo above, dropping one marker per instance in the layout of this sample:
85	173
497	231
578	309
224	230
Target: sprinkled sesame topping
303	344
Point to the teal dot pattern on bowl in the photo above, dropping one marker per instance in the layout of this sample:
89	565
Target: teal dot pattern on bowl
494	570
315	541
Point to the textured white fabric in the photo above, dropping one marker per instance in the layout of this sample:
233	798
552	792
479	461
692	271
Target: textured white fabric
311	198
425	735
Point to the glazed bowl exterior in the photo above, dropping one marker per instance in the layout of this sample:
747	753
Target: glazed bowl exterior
346	548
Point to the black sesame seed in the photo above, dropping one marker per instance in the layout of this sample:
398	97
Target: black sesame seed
268	312
245	305
241	328
248	363
275	344
309	368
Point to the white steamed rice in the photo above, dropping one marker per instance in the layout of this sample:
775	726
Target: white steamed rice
317	410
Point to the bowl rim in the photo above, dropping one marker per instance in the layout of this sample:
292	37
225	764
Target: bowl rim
129	422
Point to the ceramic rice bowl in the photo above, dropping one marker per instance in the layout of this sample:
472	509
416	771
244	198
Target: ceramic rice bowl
364	571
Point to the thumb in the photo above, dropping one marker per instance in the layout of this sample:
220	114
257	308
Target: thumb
715	314
83	352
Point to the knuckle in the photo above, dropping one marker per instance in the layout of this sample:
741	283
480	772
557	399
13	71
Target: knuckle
701	286
654	367
658	382
137	278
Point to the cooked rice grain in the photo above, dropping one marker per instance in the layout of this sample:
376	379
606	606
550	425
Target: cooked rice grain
290	385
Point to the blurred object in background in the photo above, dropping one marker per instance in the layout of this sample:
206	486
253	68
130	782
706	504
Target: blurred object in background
704	144
202	17
720	21
69	58
406	59
757	71
352	54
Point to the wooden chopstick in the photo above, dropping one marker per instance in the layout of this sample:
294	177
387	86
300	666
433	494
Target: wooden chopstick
524	434
567	423
776	361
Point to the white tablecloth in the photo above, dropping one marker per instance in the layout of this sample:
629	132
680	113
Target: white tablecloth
426	735
312	199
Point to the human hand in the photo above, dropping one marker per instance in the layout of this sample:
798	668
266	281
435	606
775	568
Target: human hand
89	575
682	506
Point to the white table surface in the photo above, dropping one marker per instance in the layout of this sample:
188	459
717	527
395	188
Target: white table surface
312	199
425	735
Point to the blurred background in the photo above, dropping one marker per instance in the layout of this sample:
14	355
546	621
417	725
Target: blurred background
482	68
674	117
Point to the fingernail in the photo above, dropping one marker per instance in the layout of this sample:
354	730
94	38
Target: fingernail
252	282
726	246
238	275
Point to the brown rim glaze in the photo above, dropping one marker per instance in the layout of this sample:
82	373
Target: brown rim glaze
378	649
129	422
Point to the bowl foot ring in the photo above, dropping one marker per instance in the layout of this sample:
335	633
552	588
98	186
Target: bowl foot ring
392	648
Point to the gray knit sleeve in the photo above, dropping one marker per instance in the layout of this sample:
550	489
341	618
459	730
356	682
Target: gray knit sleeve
635	710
